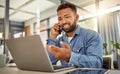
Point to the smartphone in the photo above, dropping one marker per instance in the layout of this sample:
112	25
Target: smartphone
60	29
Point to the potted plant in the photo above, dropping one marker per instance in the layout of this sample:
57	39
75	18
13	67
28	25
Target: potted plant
106	51
117	53
105	48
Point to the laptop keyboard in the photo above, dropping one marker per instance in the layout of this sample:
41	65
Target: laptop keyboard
59	67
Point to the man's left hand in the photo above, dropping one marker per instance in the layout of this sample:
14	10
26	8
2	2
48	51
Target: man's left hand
60	53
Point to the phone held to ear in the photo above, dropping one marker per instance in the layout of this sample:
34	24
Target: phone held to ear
60	29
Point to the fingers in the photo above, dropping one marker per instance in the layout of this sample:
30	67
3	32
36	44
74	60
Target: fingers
56	26
49	48
53	49
54	31
65	45
60	53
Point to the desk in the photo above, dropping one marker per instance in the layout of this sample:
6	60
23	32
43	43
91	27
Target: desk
14	70
9	70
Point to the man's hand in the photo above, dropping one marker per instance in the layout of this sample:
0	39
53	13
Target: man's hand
60	53
54	31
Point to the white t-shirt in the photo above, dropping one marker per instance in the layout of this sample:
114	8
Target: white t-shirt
69	39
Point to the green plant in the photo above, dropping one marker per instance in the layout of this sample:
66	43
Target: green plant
116	62
105	48
106	51
116	45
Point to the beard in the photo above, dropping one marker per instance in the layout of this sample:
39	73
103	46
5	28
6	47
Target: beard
72	28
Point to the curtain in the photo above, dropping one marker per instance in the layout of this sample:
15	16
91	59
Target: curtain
109	28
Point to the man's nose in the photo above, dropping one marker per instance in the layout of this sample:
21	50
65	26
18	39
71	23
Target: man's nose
63	21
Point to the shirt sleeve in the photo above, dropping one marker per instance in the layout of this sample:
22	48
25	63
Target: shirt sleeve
93	56
51	41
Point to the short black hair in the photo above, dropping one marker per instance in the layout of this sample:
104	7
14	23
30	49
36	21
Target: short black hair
67	5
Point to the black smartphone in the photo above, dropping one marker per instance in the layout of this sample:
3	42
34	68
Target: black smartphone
60	29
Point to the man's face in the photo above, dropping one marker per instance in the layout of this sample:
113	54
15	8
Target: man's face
67	19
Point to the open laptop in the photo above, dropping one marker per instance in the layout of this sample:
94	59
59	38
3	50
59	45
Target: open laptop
29	54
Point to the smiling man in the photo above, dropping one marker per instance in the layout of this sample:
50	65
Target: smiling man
77	46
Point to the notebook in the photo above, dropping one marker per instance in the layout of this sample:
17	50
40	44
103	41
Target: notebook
29	54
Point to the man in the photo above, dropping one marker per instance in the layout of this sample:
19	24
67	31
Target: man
77	46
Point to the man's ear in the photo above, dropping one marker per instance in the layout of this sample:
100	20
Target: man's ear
77	17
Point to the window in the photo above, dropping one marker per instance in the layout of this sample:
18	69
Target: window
53	20
89	24
42	30
20	34
1	35
44	36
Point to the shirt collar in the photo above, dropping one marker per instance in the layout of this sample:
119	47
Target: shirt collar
77	32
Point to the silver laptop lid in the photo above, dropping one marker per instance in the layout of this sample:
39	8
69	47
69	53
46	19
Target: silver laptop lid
29	53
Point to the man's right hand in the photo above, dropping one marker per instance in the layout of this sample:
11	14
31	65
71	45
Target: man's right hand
54	31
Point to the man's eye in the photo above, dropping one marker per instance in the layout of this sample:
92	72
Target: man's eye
67	16
59	19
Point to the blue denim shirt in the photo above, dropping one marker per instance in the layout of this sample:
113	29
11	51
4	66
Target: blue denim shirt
86	48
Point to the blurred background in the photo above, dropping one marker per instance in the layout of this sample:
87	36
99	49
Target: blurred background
19	18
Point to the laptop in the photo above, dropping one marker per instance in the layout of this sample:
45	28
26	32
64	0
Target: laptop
29	54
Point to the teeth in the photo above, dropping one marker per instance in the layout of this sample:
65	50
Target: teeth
66	25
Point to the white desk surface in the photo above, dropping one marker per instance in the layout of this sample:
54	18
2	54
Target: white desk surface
14	70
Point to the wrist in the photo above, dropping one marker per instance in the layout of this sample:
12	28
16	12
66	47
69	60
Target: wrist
53	37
